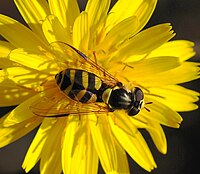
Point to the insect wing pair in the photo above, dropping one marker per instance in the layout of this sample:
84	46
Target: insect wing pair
51	104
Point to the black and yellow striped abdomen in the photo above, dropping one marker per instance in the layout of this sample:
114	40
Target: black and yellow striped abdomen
80	85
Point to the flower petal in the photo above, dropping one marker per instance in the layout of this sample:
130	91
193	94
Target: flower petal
187	71
33	12
145	68
11	96
123	9
54	31
150	67
115	36
97	12
20	113
158	136
37	146
179	48
134	145
18	35
78	148
81	32
155	130
122	161
66	11
42	61
22	76
145	41
104	143
51	157
176	97
12	133
161	114
5	49
145	11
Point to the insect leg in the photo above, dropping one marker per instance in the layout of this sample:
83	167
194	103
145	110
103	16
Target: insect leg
95	58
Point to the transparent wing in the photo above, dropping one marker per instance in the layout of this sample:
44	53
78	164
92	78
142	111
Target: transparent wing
50	105
73	58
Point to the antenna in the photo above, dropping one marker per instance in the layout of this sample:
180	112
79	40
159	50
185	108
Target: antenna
148	103
147	109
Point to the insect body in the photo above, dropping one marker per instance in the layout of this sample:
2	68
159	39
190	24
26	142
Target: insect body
86	87
92	90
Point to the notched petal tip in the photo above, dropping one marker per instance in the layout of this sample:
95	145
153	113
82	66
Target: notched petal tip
176	97
162	114
135	146
146	41
182	49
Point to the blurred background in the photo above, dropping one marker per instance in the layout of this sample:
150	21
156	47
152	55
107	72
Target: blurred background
183	143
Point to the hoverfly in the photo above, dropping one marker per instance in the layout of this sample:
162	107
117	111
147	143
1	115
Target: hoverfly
88	91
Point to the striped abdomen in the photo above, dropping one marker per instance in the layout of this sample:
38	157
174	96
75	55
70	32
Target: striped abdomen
79	85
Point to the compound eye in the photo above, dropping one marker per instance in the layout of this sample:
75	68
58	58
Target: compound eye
133	111
138	94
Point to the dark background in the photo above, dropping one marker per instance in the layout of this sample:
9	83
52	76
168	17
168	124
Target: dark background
183	143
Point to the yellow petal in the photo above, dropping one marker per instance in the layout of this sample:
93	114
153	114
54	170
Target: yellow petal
187	71
123	122
123	9
146	41
38	61
12	133
81	32
158	136
37	145
66	11
176	97
19	35
162	114
33	12
104	143
156	132
179	48
51	157
135	146
136	71
122	161
20	113
11	96
54	31
90	162
5	63
145	11
22	76
115	36
78	149
123	166
5	49
97	12
139	71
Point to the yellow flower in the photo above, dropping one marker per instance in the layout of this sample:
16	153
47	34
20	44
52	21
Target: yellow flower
30	59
